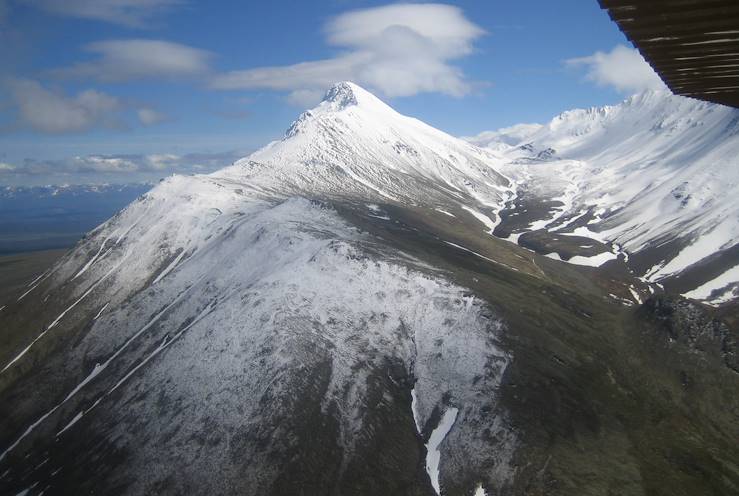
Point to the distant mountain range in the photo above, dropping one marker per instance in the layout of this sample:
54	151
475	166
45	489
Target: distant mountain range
371	306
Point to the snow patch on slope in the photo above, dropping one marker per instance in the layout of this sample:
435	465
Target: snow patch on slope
718	290
433	456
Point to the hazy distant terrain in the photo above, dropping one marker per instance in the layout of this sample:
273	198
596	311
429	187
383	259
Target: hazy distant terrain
51	217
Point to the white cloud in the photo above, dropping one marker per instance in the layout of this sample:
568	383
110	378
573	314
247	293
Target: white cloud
162	161
98	163
52	112
149	117
622	68
398	50
131	13
4	167
125	60
442	26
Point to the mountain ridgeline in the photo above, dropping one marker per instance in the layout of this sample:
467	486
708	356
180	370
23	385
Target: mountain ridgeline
371	306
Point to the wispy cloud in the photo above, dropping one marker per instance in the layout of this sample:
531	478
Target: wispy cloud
48	111
126	60
131	13
148	116
622	68
398	50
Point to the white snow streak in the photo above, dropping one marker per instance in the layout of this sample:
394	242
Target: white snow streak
97	316
444	212
92	260
482	218
479	255
24	294
433	454
56	321
170	267
414	409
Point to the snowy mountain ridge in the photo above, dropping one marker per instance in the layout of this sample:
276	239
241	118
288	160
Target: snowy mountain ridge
655	170
246	285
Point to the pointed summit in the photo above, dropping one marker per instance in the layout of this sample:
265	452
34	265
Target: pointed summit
342	94
347	94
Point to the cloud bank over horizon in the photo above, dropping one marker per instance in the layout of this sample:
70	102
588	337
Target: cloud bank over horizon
114	168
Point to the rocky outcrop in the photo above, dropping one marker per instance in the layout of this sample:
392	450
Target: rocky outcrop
690	323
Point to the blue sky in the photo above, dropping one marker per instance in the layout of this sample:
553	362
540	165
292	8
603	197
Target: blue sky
120	90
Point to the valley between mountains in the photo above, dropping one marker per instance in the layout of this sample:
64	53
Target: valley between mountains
371	306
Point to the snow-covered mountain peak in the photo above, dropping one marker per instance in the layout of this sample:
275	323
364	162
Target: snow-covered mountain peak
347	95
347	99
354	145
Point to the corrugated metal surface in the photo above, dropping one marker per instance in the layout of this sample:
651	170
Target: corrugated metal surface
692	44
